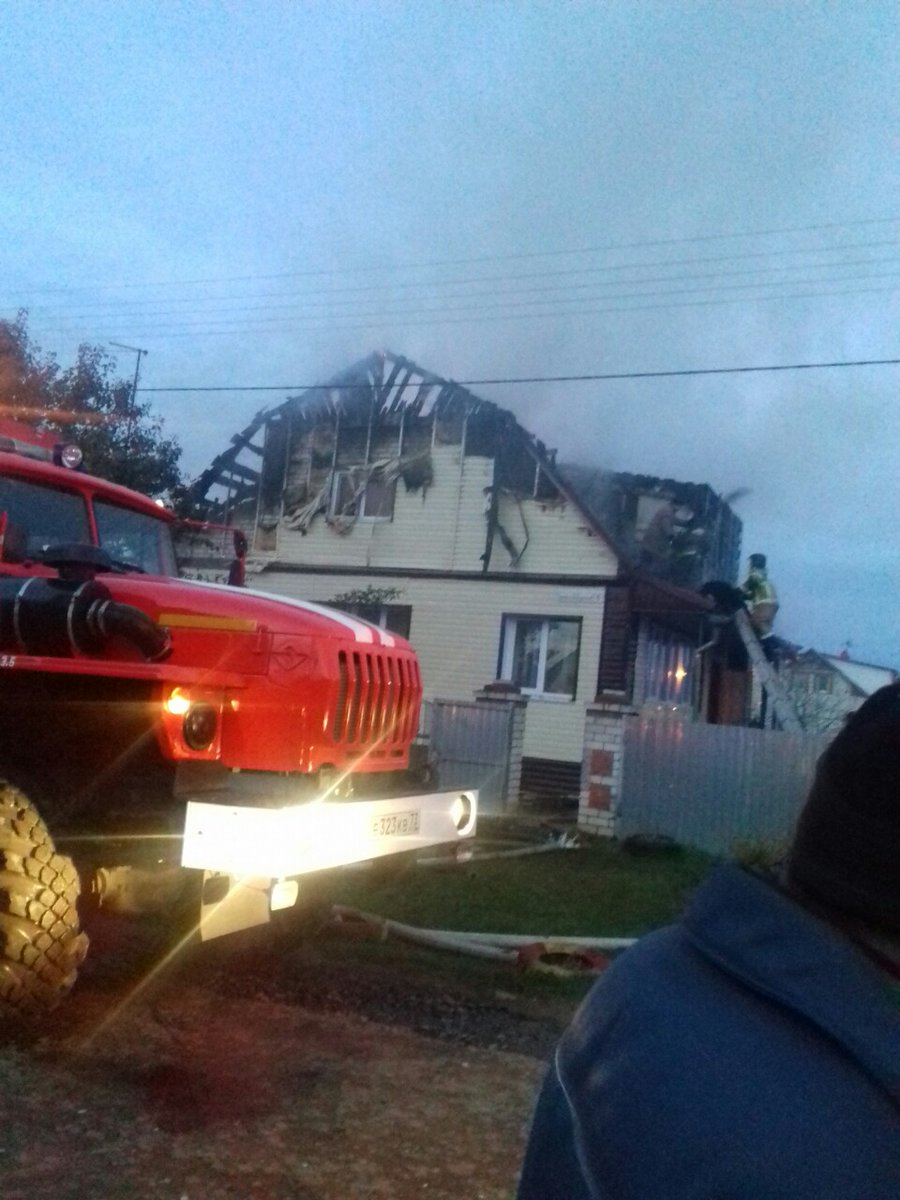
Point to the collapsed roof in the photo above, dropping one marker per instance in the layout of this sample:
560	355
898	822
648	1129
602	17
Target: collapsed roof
380	406
685	533
386	412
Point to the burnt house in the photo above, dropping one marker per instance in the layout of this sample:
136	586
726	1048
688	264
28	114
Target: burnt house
409	500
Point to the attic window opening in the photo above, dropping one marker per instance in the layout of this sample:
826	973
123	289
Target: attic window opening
544	487
368	499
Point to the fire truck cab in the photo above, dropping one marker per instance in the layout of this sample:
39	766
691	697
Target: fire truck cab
158	732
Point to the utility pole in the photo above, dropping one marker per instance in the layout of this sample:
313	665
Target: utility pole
132	407
137	371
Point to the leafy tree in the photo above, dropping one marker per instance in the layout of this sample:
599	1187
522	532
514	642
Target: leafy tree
90	404
366	597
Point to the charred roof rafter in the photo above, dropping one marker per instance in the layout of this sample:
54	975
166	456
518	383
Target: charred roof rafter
384	388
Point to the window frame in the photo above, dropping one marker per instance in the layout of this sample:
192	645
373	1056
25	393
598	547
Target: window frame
359	512
506	658
664	654
25	493
388	614
148	530
821	682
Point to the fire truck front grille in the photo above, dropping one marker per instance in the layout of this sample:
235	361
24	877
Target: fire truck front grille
377	700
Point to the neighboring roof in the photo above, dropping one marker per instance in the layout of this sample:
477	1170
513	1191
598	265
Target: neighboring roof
863	676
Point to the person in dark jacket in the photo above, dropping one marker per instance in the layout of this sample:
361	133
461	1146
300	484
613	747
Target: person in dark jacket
752	1051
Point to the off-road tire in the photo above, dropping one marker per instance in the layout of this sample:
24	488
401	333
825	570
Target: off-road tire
41	946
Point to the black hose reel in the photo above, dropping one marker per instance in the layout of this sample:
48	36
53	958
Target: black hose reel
65	617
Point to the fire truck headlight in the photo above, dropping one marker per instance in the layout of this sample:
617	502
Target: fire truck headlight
177	703
462	813
283	894
199	726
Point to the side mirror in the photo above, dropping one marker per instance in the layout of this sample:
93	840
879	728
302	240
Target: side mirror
236	569
13	540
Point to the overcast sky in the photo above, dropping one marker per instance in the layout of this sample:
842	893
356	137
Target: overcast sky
262	193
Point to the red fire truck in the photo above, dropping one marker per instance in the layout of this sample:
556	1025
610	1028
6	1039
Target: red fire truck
159	734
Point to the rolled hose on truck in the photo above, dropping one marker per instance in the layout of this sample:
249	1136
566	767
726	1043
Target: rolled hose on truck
60	618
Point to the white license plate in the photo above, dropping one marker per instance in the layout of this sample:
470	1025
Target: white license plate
396	824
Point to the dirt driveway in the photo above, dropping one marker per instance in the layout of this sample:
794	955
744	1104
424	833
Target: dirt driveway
246	1074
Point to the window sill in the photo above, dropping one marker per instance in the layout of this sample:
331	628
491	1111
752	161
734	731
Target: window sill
364	520
548	697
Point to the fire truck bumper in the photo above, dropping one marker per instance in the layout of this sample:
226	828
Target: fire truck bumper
250	855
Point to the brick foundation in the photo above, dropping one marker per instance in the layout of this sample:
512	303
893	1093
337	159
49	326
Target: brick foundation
603	765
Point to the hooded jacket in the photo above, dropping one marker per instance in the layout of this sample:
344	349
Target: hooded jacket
748	1053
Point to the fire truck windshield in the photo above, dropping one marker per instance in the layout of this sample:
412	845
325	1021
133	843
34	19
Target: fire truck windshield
38	516
134	540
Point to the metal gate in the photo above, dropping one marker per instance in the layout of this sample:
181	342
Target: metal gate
471	744
714	786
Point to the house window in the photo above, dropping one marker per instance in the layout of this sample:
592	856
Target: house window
668	668
540	655
395	618
368	499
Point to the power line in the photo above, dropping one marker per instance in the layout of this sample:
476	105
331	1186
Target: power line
282	321
589	378
151	309
357	324
524	255
506	304
563	273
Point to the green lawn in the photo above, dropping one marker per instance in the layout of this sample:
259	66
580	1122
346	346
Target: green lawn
596	890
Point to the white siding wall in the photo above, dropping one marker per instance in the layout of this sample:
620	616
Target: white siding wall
423	533
456	628
555	537
471	524
444	528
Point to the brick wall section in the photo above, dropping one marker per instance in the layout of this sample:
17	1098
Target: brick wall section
519	706
602	765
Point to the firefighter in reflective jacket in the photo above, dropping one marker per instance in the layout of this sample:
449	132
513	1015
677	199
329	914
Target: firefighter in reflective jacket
760	597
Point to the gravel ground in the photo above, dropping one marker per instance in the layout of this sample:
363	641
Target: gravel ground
246	1073
388	995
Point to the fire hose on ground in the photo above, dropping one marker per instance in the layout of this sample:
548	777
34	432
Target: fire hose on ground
559	841
554	955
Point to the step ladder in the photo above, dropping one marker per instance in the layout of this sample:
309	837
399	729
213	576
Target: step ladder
782	704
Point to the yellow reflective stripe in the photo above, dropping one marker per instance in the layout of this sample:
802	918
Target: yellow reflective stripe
196	621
